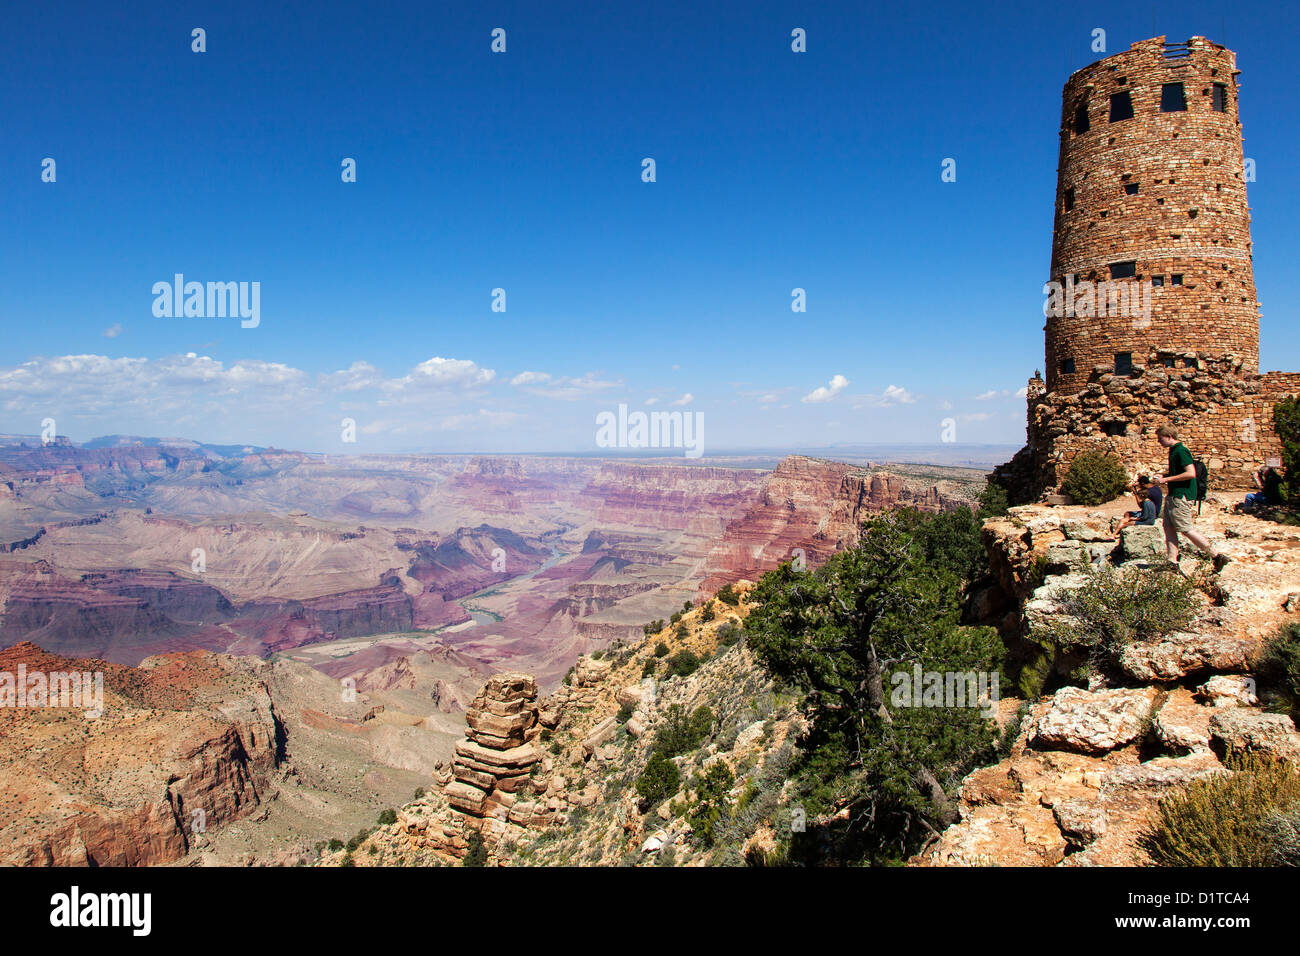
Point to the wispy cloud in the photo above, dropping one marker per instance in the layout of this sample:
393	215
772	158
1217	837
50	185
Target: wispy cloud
824	393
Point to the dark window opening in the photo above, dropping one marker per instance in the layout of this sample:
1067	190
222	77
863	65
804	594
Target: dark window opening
1168	361
1115	429
1123	363
1172	98
1081	124
1157	281
1067	366
1121	106
1176	279
1220	98
1130	189
1069	199
1123	270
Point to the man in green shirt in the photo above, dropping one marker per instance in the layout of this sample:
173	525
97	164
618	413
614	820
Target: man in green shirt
1180	491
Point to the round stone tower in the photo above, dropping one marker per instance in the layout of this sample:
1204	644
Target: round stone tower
1151	198
1151	311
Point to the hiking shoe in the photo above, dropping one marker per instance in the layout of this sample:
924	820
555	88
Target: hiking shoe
1221	560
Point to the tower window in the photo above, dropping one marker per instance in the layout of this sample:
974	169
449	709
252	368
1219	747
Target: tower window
1157	281
1069	199
1219	98
1123	363
1121	106
1167	360
1123	270
1114	429
1130	189
1067	366
1172	98
1081	124
1176	279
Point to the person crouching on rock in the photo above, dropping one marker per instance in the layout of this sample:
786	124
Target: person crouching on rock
1146	513
1180	487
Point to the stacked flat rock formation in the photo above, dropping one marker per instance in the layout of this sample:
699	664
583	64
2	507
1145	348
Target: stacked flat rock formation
492	765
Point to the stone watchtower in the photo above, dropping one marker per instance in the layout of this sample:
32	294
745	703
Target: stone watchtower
1151	307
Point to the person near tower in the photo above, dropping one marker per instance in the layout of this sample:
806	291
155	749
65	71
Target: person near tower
1180	491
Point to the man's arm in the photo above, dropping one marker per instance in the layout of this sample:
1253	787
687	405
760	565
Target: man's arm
1164	480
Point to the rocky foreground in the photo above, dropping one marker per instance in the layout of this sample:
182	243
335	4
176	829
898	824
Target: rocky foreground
1089	764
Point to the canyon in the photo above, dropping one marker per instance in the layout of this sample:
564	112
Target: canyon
356	605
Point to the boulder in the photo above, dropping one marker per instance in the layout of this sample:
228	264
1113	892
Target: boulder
630	696
1091	721
602	732
1239	729
1081	821
1082	529
1143	542
1228	690
1184	653
1182	725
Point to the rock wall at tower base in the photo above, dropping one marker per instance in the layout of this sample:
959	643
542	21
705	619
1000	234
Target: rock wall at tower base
1223	412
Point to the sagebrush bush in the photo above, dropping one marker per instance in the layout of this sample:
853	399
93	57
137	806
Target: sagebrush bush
1278	670
1226	819
1094	478
1117	607
1281	834
727	595
729	634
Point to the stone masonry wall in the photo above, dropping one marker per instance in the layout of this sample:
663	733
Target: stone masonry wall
1165	190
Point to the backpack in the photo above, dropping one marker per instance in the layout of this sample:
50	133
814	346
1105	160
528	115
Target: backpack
1202	481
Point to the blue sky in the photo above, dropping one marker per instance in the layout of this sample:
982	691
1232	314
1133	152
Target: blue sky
522	171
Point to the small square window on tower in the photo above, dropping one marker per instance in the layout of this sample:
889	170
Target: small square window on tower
1176	279
1123	363
1130	189
1069	199
1121	106
1172	98
1167	360
1081	124
1219	97
1067	366
1157	281
1123	270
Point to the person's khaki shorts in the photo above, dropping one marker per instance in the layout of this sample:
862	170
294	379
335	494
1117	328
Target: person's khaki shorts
1178	517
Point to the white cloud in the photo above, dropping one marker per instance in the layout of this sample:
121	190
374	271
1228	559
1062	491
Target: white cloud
824	393
443	373
113	331
530	378
891	396
685	399
565	388
652	401
354	378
